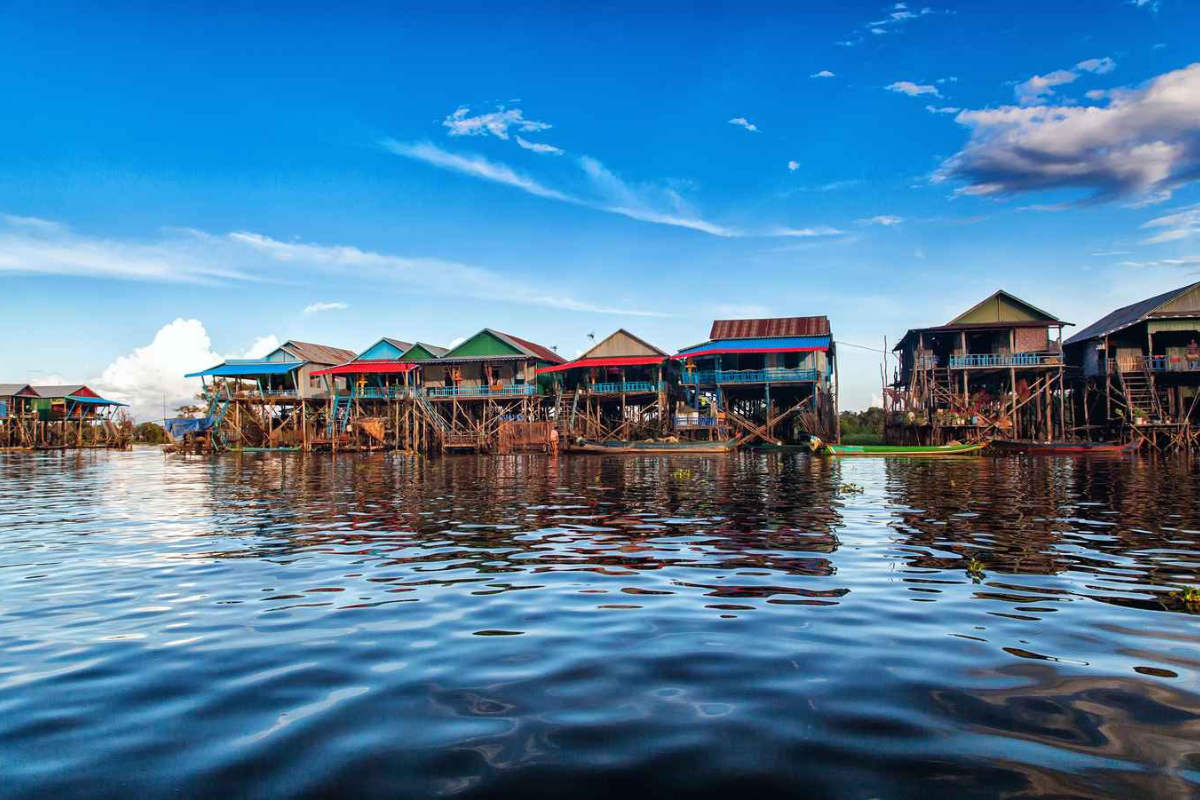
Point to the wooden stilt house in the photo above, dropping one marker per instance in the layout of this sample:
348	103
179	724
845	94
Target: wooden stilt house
996	371
773	380
617	390
1140	368
73	415
17	415
273	401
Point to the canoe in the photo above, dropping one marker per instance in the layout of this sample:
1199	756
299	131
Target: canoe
1066	448
673	448
902	451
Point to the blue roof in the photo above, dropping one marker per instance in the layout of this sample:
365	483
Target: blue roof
247	369
93	401
762	345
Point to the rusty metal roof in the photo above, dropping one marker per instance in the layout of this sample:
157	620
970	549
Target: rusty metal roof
318	353
769	328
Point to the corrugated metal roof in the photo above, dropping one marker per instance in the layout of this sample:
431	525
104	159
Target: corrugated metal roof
434	350
1126	316
247	369
771	344
531	349
15	389
397	343
773	327
317	353
59	391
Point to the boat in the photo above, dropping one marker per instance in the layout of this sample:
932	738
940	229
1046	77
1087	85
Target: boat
901	450
612	446
1066	448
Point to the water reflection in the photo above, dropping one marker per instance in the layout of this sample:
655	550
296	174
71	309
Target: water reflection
534	625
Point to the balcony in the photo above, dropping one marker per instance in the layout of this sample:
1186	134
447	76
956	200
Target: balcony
1154	364
769	375
625	387
1005	360
496	390
382	392
694	422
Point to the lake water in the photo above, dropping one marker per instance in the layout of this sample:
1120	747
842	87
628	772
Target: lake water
266	625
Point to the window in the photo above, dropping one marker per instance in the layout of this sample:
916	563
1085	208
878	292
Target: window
315	382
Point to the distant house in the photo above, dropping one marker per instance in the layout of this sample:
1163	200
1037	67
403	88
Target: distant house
70	401
286	372
386	369
620	363
16	399
1141	364
488	364
980	375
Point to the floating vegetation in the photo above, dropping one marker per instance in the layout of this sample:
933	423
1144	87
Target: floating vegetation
851	488
975	569
683	474
1187	599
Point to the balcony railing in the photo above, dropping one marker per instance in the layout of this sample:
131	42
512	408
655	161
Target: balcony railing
381	392
1155	364
625	387
1005	360
504	390
695	421
769	375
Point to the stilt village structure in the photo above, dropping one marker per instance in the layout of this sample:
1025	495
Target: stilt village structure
999	371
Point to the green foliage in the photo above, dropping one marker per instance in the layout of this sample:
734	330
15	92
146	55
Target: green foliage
149	433
862	438
857	423
975	569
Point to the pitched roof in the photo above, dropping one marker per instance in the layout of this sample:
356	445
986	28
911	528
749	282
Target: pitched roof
15	389
317	353
1128	315
598	347
396	343
59	390
998	295
531	349
433	349
764	328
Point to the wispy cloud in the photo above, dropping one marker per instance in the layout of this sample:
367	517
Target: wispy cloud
942	109
1151	5
605	191
899	13
1145	143
822	74
913	89
793	166
539	147
316	308
495	123
1183	262
887	220
194	256
1040	87
1180	224
744	123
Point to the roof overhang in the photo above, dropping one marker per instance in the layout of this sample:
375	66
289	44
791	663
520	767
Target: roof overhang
370	367
615	361
247	369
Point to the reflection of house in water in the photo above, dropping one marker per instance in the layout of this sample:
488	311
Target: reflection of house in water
993	372
1141	368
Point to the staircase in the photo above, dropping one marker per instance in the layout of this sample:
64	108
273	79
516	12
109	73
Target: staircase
434	417
1138	387
218	408
941	388
339	420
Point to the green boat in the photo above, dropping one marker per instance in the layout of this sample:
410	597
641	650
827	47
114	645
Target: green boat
902	451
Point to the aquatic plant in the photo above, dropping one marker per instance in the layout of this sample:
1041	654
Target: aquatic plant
851	488
975	569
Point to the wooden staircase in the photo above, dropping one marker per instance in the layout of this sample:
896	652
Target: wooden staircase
1138	388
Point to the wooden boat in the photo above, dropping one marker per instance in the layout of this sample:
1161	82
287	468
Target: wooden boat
672	448
1066	448
902	451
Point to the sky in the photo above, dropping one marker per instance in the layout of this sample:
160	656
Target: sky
182	184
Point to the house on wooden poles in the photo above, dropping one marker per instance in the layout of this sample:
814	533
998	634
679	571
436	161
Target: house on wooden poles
996	371
1140	369
621	389
373	397
75	416
488	380
276	401
17	415
773	380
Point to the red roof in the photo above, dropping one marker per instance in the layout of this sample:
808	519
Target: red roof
369	367
544	353
616	361
778	326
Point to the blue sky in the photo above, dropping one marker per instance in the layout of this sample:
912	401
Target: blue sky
425	172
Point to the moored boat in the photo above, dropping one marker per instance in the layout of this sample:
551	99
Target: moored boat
1065	448
902	451
723	446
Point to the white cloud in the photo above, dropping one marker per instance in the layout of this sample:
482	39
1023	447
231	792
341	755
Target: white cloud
606	191
1040	87
887	220
496	123
913	89
1145	142
1180	224
1187	262
745	123
455	342
804	233
822	74
1112	253
316	308
539	147
899	13
154	373
942	109
263	346
793	166
948	79
36	223
1152	5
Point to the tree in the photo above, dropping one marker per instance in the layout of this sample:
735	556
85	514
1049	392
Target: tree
149	433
